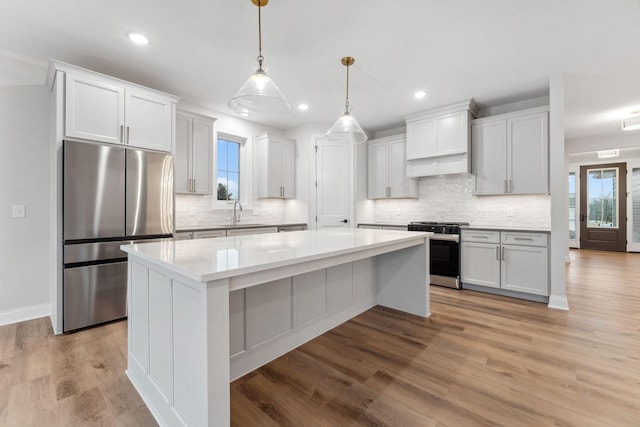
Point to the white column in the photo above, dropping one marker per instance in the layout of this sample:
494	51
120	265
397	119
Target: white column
559	194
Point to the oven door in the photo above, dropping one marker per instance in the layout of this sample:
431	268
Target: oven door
444	262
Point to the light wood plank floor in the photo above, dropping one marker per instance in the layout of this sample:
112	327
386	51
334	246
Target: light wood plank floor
479	360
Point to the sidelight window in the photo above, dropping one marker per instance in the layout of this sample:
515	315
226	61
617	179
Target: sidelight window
572	206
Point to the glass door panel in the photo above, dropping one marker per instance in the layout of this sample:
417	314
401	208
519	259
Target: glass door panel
602	193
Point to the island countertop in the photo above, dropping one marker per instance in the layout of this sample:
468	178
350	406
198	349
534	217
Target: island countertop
204	260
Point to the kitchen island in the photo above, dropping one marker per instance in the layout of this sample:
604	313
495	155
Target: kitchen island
204	312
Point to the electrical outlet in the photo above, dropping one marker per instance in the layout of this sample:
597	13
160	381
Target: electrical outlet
509	211
19	211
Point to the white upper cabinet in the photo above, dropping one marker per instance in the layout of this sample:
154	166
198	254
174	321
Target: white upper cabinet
94	109
438	140
511	153
105	109
387	170
193	163
148	120
275	157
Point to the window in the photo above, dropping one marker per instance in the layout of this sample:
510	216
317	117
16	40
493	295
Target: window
572	206
228	168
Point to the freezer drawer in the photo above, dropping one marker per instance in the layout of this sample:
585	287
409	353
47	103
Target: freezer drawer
94	294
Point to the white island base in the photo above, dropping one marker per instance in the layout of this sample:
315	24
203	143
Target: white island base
202	313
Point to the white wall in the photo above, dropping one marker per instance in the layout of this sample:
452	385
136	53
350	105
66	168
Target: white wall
25	176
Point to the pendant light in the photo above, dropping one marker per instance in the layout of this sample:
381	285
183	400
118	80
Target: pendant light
259	94
346	128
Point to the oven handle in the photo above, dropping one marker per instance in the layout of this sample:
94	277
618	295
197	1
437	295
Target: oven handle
447	237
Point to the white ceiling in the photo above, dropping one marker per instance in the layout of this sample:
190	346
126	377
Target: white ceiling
496	51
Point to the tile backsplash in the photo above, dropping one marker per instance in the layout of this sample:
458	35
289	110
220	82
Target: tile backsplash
198	211
449	198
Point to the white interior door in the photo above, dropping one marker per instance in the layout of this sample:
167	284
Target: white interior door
335	184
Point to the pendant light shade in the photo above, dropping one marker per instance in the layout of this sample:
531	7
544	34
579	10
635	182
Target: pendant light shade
346	128
259	94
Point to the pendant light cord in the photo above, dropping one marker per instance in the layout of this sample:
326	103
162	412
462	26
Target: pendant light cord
260	57
346	103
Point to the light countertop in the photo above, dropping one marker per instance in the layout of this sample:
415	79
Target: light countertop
189	228
210	259
508	228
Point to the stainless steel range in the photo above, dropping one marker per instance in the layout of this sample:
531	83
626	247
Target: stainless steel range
444	251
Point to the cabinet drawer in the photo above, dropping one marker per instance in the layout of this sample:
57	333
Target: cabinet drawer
209	234
480	236
247	231
524	239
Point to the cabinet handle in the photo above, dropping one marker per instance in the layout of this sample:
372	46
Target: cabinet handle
528	239
189	185
128	133
503	253
506	187
509	186
194	185
122	134
497	253
480	237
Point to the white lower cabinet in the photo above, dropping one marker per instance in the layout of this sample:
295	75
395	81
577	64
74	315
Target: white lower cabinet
511	261
525	269
480	264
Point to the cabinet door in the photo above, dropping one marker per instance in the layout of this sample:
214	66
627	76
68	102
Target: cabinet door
480	264
182	158
489	157
528	154
378	172
399	184
148	121
288	170
94	110
452	133
202	157
274	168
525	269
421	139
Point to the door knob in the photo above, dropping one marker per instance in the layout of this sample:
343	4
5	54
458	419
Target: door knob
345	221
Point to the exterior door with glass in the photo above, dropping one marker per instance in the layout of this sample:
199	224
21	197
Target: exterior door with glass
603	207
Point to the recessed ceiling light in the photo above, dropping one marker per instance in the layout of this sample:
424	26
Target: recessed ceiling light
420	94
303	107
138	38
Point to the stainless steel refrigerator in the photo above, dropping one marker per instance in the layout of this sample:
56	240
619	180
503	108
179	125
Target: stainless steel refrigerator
112	196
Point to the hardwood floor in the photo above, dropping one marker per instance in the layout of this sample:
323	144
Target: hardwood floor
479	360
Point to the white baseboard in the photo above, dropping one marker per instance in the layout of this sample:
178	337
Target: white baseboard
558	302
22	314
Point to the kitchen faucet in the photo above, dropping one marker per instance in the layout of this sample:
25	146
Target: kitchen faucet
236	217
